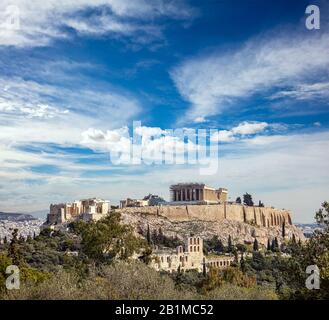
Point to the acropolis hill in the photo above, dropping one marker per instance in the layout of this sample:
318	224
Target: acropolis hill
259	216
194	208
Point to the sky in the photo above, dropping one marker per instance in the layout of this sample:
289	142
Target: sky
75	75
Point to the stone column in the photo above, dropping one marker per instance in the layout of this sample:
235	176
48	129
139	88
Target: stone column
201	194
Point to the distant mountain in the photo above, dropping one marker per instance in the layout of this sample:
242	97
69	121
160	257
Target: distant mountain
16	216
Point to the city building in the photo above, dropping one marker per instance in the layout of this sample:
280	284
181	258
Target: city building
87	209
188	257
197	193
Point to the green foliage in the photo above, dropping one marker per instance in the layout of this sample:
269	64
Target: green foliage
255	246
213	244
14	251
159	239
283	230
107	239
5	261
230	247
322	215
247	199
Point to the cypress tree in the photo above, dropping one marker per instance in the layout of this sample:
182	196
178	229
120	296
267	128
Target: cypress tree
294	239
160	236
148	234
242	263
13	250
283	229
268	244
204	269
229	244
256	247
273	245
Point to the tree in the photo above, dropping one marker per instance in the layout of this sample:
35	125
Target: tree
275	245
154	236
238	200
14	250
322	215
283	229
312	252
107	238
255	246
294	239
242	263
148	235
204	268
260	204
268	245
229	244
160	236
247	199
214	244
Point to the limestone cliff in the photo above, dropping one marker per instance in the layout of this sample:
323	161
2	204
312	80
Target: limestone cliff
260	216
244	224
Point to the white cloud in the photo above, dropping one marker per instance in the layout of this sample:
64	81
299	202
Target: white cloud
305	91
212	82
246	128
42	21
154	142
242	129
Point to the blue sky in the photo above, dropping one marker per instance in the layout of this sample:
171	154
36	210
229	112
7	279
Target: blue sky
75	76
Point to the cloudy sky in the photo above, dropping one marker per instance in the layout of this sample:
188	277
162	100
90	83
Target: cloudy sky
76	74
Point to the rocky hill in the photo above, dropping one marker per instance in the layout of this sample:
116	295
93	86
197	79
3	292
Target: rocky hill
16	216
240	232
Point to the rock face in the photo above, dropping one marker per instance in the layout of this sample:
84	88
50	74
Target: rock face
260	216
182	221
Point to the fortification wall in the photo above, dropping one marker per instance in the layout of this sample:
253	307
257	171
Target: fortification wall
261	216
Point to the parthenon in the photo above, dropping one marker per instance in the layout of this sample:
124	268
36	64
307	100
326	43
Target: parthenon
198	193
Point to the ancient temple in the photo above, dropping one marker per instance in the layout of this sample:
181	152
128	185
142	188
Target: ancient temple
197	193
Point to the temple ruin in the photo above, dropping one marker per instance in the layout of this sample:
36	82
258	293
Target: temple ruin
197	193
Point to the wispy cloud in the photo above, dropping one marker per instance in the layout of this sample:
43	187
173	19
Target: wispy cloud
318	90
43	21
216	81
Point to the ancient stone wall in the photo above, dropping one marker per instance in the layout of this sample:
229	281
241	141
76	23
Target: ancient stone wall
260	216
